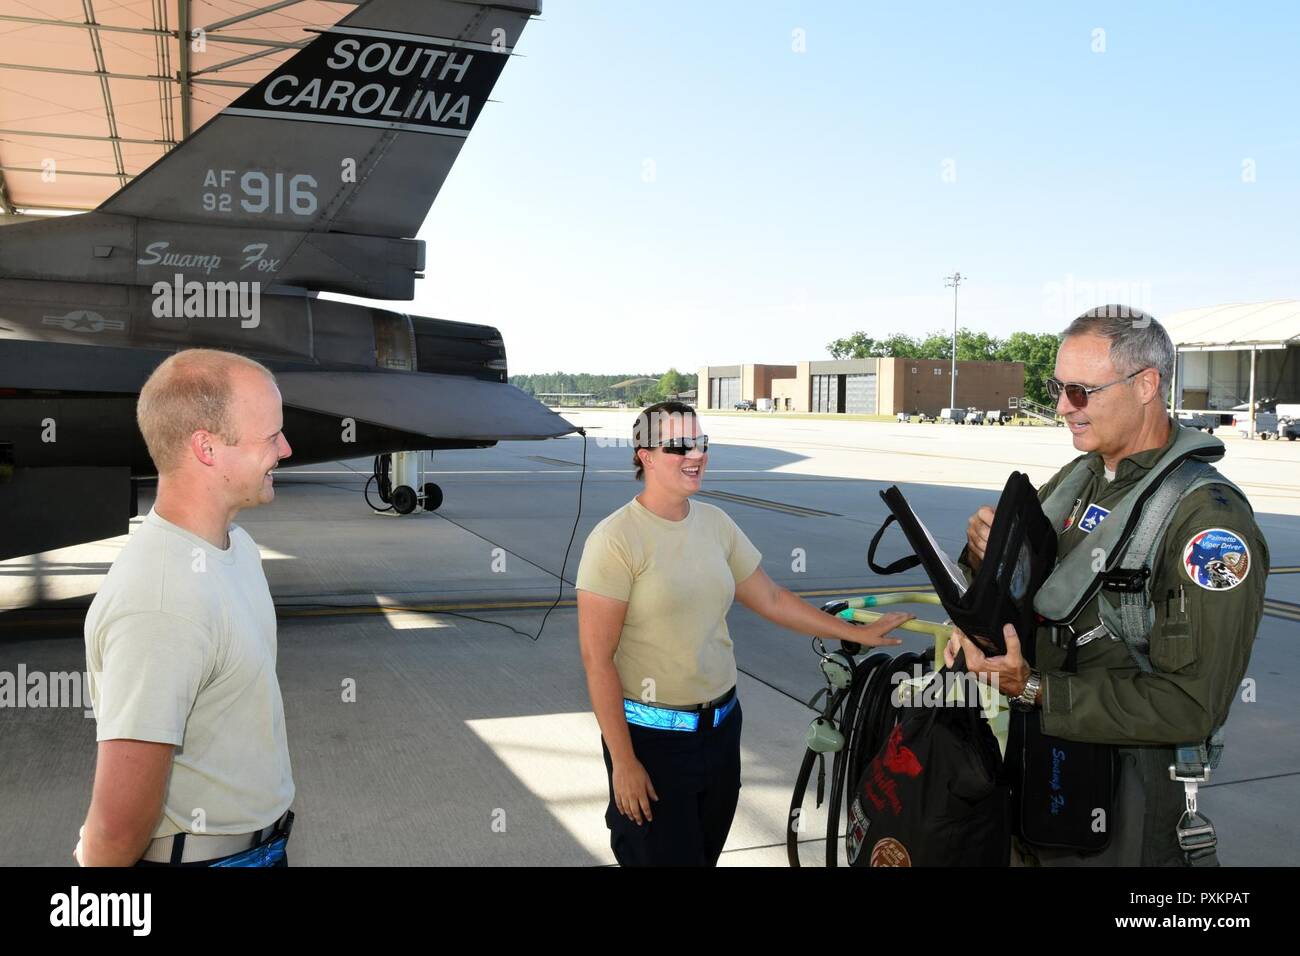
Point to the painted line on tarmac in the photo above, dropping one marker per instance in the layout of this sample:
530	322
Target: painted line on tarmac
769	505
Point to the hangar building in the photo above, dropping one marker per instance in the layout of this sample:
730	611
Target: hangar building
867	386
1231	355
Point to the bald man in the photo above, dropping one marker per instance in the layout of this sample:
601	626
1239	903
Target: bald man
193	764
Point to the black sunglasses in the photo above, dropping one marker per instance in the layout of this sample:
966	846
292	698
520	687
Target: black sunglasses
1077	394
680	446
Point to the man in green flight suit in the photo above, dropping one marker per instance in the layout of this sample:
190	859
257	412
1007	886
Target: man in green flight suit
1206	588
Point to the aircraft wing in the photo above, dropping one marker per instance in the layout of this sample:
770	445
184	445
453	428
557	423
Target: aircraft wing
448	406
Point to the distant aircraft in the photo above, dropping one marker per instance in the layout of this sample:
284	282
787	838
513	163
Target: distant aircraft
312	180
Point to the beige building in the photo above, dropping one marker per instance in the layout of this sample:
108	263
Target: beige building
722	386
925	385
869	386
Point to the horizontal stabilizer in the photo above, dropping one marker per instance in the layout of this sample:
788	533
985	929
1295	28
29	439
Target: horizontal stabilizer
441	406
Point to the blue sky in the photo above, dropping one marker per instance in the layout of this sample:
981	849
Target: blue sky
672	183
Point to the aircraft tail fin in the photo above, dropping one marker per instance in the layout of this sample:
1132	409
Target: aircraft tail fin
354	133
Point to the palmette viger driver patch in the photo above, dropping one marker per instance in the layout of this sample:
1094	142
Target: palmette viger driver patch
1216	559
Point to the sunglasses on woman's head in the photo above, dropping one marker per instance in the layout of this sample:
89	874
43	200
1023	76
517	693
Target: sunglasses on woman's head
1077	394
680	446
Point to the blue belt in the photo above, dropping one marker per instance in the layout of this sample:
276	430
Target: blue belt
667	718
268	854
270	851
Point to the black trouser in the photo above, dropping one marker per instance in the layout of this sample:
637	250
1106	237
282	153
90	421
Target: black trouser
697	778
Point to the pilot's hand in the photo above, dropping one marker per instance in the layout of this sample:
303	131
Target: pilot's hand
1009	670
977	535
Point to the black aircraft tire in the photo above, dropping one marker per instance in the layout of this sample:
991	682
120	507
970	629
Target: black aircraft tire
432	496
404	499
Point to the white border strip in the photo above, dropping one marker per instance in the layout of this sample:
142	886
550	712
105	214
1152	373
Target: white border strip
346	121
417	38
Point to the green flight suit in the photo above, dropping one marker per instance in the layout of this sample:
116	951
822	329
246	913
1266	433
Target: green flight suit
1199	648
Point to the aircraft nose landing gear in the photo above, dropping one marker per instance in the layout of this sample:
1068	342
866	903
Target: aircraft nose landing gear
398	477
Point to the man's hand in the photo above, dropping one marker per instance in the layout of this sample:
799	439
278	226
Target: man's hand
633	791
977	536
1009	671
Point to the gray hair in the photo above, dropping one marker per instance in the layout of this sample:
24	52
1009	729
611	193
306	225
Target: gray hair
1137	340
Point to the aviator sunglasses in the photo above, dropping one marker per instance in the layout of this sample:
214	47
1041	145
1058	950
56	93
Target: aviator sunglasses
1077	394
680	446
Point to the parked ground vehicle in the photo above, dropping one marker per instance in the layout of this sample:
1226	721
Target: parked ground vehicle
974	416
955	415
1198	421
1273	419
745	405
1265	423
994	416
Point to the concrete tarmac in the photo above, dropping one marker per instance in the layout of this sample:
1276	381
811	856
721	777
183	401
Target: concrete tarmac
471	743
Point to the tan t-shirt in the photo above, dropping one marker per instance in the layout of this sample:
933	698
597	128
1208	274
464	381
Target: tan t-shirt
181	649
679	580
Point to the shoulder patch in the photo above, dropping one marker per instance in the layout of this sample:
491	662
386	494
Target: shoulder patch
1216	559
1093	516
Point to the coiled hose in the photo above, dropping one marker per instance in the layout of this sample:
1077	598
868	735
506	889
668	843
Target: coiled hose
864	712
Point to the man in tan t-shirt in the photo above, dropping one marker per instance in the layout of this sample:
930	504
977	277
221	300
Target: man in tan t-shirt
193	763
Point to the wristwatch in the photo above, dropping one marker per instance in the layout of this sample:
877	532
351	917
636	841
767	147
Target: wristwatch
1026	698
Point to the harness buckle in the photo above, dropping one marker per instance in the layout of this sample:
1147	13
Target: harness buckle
1126	581
1185	779
1196	832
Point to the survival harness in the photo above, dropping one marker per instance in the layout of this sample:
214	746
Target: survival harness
1129	538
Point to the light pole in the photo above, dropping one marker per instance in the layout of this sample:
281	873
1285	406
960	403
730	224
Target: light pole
952	282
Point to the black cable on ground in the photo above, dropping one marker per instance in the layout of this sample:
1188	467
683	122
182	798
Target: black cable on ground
385	494
581	480
380	475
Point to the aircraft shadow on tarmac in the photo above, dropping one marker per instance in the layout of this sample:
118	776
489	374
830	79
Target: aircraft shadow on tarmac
421	737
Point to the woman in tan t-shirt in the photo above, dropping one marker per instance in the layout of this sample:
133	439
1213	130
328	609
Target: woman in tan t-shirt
656	580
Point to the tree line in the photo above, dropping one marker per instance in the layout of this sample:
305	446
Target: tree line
1036	349
658	387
